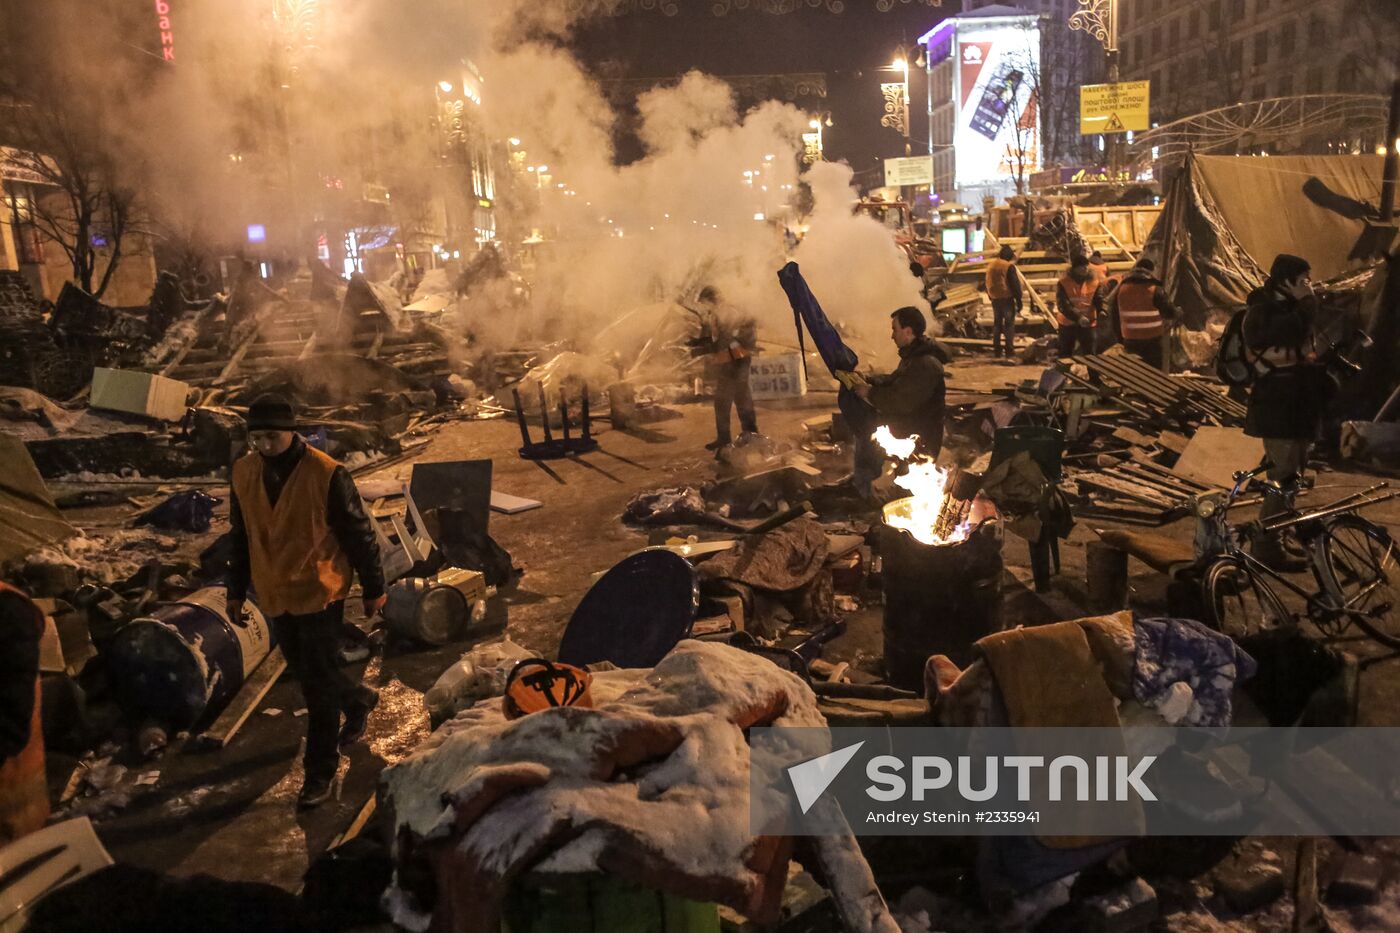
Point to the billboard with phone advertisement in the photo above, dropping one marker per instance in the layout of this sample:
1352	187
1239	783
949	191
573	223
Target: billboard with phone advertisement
997	134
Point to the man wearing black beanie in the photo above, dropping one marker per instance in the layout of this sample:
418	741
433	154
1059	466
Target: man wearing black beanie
1287	397
299	531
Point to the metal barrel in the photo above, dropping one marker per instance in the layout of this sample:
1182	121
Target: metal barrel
185	661
939	599
434	612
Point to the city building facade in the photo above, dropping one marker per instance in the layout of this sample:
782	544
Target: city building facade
984	74
1069	58
1202	55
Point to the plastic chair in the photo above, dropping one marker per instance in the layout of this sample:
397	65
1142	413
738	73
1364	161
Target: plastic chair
38	864
1046	447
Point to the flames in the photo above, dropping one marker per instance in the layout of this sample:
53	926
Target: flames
925	513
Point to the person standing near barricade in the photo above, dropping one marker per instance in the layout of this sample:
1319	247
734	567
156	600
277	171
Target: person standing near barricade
727	342
1004	289
24	792
1076	307
1141	310
1289	392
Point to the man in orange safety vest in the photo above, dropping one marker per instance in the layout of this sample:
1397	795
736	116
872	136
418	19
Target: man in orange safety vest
1141	309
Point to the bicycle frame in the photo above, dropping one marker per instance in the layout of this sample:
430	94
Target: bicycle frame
1311	525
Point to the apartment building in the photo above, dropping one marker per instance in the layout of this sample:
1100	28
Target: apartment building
1204	54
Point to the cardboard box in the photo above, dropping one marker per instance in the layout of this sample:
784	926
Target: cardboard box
139	393
66	645
778	375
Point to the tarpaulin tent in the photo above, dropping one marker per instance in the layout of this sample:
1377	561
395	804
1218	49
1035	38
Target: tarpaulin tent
1226	217
29	519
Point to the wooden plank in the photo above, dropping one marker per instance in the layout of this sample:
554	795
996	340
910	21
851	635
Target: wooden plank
1176	493
177	359
373	351
75	780
1038	301
1128	380
507	504
358	825
1159	469
310	346
233	363
244	702
1125	490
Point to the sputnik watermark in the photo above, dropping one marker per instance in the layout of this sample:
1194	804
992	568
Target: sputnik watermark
1117	778
1085	783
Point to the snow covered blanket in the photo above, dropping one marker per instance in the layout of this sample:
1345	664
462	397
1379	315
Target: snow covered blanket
650	785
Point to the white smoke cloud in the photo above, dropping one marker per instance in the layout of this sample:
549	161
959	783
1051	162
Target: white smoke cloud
851	261
328	81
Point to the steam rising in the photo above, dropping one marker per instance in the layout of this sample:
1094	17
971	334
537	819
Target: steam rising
271	92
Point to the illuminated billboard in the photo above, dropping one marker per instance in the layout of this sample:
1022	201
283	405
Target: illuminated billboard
993	83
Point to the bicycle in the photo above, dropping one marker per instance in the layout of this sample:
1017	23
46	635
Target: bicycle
1352	561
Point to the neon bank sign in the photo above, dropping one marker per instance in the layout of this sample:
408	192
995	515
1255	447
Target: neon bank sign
167	34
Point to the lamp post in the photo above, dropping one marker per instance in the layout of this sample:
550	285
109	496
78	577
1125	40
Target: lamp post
896	116
1099	18
815	143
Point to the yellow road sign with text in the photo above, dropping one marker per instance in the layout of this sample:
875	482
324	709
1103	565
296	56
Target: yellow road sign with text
1114	108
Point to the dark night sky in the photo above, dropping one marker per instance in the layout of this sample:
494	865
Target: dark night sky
851	48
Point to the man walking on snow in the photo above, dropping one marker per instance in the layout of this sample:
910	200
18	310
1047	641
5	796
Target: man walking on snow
299	532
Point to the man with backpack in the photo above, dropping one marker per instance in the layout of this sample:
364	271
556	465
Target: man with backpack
1140	308
1288	389
1004	288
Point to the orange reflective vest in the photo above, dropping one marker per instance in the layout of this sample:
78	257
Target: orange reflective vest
296	563
24	792
998	270
1138	317
1081	299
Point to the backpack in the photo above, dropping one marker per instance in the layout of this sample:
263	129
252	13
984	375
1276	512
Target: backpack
1232	364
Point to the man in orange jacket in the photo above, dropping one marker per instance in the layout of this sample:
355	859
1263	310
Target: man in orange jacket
1141	310
1077	307
1003	282
24	795
299	531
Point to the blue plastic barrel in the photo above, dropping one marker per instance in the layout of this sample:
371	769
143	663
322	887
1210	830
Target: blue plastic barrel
185	661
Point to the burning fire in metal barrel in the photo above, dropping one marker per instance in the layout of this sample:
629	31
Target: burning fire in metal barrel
941	549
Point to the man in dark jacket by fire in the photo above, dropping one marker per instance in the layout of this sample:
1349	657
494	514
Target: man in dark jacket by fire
1290	390
911	399
299	531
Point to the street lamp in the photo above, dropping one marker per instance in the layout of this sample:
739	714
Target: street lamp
897	103
1099	18
897	108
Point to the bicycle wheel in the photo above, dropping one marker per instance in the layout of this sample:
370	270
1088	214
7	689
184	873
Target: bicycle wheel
1239	602
1359	572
